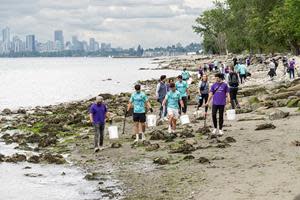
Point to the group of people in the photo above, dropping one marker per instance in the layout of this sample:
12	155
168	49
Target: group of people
289	67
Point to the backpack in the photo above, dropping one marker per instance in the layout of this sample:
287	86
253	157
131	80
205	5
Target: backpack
233	80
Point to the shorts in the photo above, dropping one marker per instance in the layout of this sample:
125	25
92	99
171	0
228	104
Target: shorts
174	112
139	117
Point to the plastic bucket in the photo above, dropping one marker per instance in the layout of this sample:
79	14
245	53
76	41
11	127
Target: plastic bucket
184	119
113	132
231	115
151	120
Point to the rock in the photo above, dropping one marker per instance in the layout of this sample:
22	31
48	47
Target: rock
293	103
183	148
161	161
169	137
278	114
186	133
191	141
33	175
144	143
253	91
53	159
243	110
116	145
283	95
16	158
253	100
7	111
34	159
266	126
189	157
157	135
203	160
47	140
2	157
229	140
21	111
152	147
92	177
204	130
218	158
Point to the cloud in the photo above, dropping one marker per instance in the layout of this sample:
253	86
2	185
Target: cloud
124	23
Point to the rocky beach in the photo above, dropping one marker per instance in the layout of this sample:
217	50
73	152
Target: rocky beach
257	158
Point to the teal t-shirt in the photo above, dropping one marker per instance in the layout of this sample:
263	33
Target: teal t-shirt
139	100
185	75
182	87
242	69
173	99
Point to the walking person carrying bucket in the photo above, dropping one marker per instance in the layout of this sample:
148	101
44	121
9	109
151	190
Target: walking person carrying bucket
139	101
219	93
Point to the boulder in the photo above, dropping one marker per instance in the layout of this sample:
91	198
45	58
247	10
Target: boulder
16	158
186	133
161	161
204	130
189	157
203	160
229	140
265	126
7	111
152	147
157	135
253	100
53	158
34	159
292	103
182	148
278	114
116	145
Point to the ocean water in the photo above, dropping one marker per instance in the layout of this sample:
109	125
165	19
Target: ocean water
29	82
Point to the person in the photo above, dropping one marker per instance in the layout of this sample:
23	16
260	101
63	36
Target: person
233	82
216	65
248	61
219	92
185	75
272	71
182	88
200	72
161	92
98	114
139	101
242	70
169	83
171	102
227	71
205	67
235	61
285	63
292	68
211	66
203	92
276	65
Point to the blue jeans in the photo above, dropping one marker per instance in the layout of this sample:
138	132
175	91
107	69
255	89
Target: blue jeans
99	134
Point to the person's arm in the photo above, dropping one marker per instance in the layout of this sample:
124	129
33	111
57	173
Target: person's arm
181	103
91	118
129	106
149	106
157	90
209	99
227	98
165	101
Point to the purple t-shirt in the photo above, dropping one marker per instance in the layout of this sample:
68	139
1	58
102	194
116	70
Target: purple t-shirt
292	64
98	111
220	93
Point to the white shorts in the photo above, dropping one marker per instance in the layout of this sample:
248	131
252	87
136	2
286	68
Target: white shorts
174	112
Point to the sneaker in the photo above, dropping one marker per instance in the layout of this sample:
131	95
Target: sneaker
214	132
136	138
96	150
143	137
221	133
170	129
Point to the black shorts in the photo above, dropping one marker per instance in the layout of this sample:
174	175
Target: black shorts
139	117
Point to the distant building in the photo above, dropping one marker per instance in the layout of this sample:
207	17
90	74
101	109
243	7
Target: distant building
30	43
17	45
6	35
76	45
105	47
59	40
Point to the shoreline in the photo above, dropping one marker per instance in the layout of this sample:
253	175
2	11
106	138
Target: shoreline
132	164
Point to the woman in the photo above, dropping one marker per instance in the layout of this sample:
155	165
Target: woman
219	92
200	72
203	92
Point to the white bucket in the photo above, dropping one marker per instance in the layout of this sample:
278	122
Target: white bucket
231	115
113	132
151	120
184	119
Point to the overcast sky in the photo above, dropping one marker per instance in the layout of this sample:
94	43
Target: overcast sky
125	23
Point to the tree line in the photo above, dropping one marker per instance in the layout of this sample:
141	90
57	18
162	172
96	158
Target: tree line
254	26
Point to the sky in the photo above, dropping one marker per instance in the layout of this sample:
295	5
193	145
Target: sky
124	23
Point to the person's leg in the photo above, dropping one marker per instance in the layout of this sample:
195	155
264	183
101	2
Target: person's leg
214	116
231	93
235	97
184	110
161	109
293	73
221	116
97	135
174	124
200	103
102	127
136	130
205	97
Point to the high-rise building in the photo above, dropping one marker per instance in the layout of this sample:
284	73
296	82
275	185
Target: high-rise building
76	45
17	45
59	40
6	35
30	43
92	44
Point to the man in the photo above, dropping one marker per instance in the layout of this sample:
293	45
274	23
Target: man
161	92
272	68
171	100
182	88
219	92
292	68
285	64
233	81
139	101
235	61
185	75
98	114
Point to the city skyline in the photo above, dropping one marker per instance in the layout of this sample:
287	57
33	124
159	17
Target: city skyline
127	23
